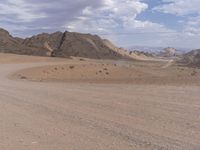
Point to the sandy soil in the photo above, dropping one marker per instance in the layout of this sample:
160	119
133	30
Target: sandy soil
54	115
12	58
140	72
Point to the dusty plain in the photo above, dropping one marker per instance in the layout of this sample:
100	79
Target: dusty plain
78	104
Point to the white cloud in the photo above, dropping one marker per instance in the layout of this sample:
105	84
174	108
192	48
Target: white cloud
113	15
117	20
187	9
179	7
20	11
192	27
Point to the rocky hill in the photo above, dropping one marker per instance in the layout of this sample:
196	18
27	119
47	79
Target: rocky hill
167	52
136	55
84	45
9	44
192	58
59	44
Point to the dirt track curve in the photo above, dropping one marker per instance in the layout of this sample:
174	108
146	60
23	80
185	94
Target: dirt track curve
81	116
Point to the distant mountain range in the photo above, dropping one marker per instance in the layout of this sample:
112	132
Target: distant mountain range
152	49
69	44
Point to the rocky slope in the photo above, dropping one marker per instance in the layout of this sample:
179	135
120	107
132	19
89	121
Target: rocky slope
9	44
192	58
136	55
84	45
66	44
167	52
59	44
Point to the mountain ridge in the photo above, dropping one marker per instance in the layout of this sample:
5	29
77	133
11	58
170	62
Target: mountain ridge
59	44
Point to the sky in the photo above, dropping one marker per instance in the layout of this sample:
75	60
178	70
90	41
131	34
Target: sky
174	23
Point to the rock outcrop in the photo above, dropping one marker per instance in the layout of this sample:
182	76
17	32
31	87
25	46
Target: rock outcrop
58	44
192	58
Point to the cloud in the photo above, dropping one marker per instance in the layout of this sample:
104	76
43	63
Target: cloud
179	7
19	11
27	17
113	19
112	16
192	27
188	10
117	20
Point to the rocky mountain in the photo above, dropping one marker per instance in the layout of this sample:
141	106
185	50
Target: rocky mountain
59	44
9	44
160	51
84	45
136	55
192	58
169	52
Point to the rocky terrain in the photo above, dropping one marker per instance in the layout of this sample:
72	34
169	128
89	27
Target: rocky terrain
167	52
72	44
9	44
65	45
48	103
192	58
135	55
59	44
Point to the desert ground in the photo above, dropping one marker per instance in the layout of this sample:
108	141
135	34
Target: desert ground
82	104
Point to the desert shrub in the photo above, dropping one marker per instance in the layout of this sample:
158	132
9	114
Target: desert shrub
71	67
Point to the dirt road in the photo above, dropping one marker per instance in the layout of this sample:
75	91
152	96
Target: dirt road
66	116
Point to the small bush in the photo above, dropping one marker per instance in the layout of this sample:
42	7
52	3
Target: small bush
105	69
193	73
81	59
71	67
